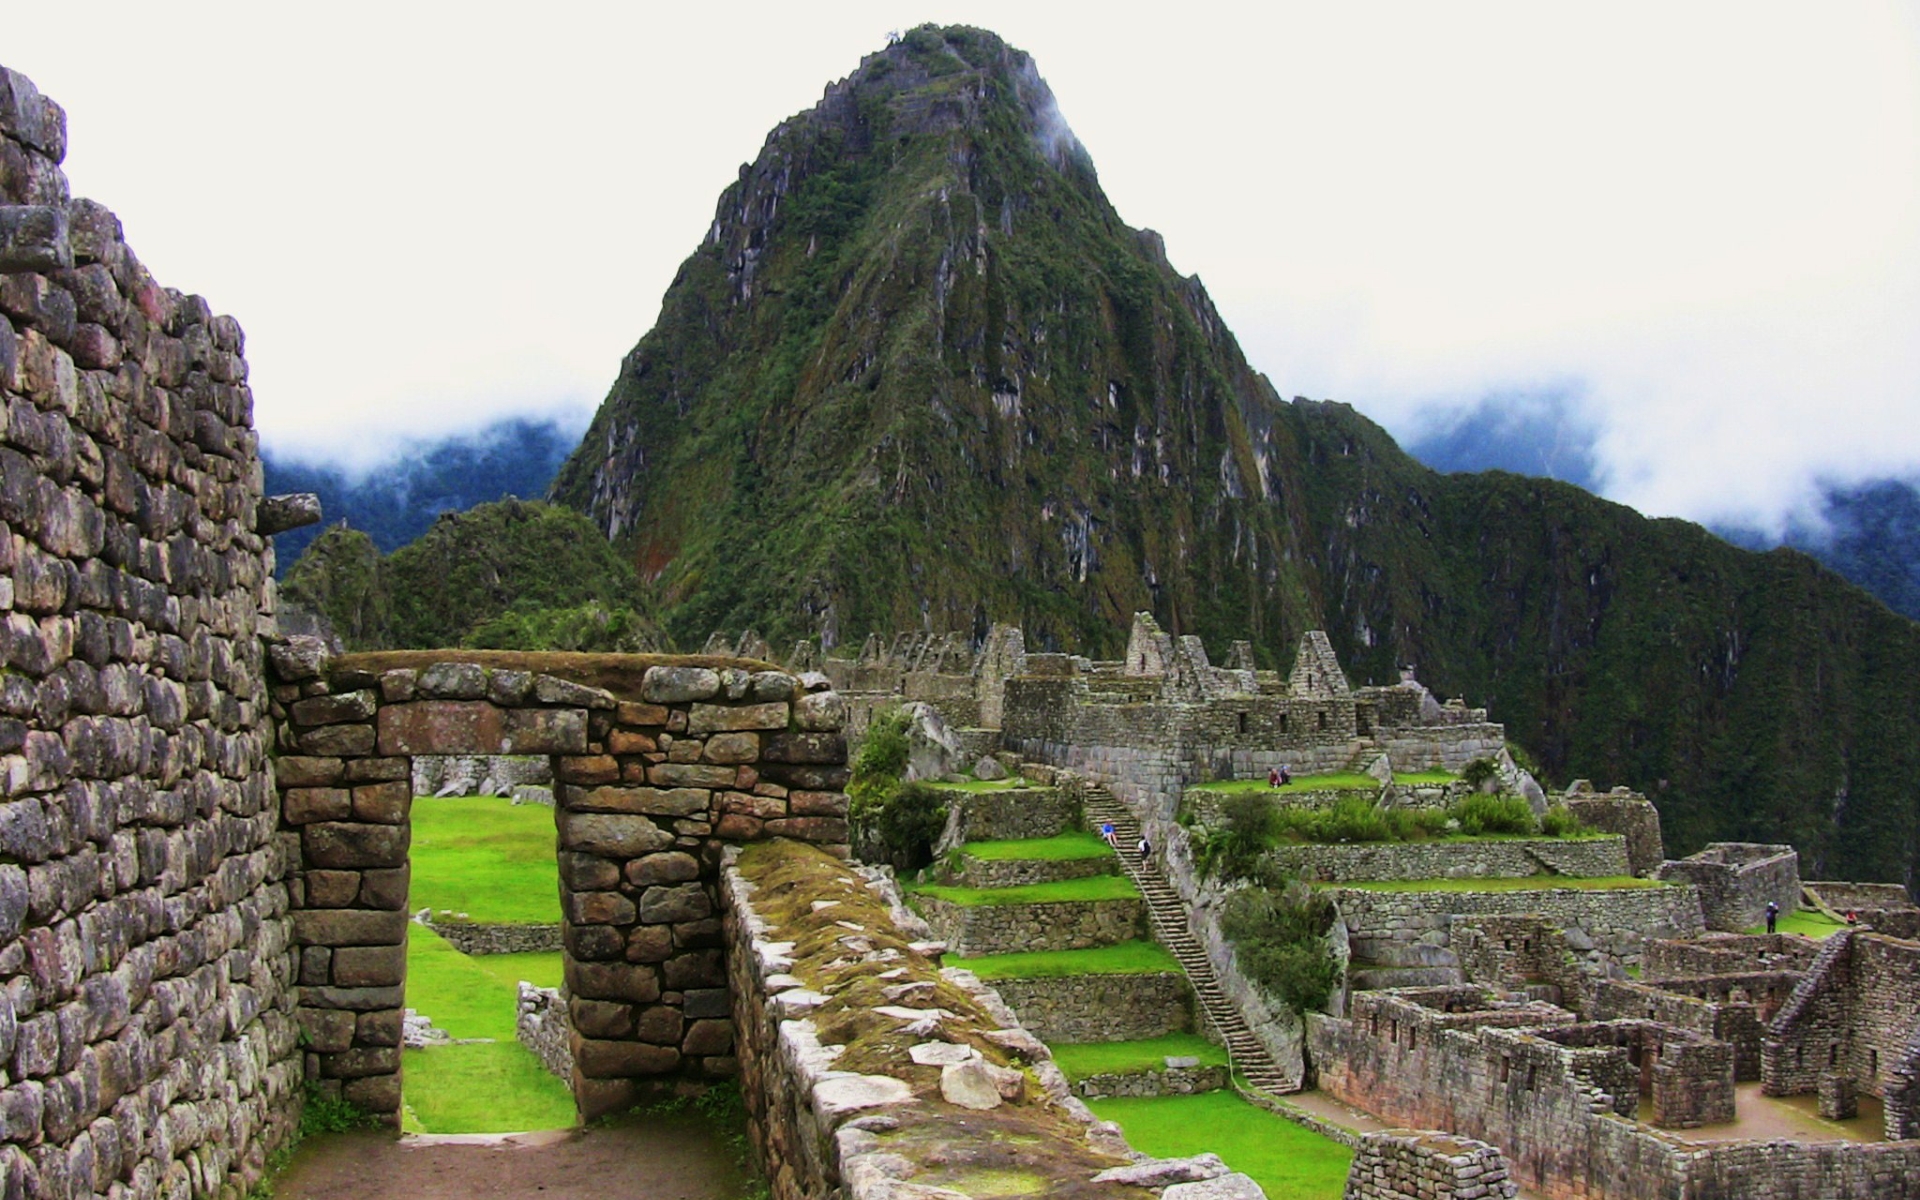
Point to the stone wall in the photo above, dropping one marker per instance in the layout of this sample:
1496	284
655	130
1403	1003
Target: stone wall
147	1041
877	1115
1406	1164
479	774
652	782
1853	1014
1020	872
1012	814
541	1026
1739	1023
1728	954
1604	928
976	929
473	938
1626	813
1071	1009
1521	954
1164	1081
1562	1110
1598	857
1736	880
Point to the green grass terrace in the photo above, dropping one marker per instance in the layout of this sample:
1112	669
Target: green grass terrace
1011	784
1067	891
1289	1162
1807	922
1125	1058
1122	958
1063	847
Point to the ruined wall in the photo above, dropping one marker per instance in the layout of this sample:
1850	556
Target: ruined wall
1736	880
976	929
1406	1164
541	1025
1852	1015
652	782
1012	815
1628	814
146	1031
1600	857
1605	928
472	938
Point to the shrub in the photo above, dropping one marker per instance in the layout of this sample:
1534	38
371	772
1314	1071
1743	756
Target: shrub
1478	772
1236	849
1280	938
1559	821
1481	814
894	822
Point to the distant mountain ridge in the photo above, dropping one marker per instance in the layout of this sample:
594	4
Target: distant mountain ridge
398	501
918	374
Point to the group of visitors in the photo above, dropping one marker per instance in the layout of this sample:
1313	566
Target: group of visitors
1279	776
1112	839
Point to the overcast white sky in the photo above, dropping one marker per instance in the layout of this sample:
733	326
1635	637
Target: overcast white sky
1700	220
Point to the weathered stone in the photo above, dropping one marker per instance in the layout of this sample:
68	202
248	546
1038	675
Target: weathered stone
589	769
369	966
989	768
689	775
707	1037
818	804
595	1058
715	718
1161	1172
674	802
298	658
678	685
351	844
626	741
453	681
339	741
334	710
348	927
328	1030
732	748
1232	1186
647	944
812	748
585	872
549	690
700	968
544	731
598	908
970	1084
679	902
383	803
384	888
441	727
669	867
332	889
634	983
830	830
296	771
304	805
630	713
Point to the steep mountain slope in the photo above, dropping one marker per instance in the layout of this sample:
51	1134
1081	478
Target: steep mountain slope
510	575
919	374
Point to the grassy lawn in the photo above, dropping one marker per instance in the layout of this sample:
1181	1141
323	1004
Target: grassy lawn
486	857
1123	958
981	785
1526	883
1094	887
1291	1163
1058	848
485	1088
1808	922
1098	1058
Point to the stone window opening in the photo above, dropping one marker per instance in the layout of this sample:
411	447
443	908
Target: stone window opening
1374	1025
1283	722
1873	1063
1506	1068
1532	1076
1323	719
1833	1055
1241	721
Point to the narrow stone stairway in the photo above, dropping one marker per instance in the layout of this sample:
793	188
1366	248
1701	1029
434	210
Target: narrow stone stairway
1169	916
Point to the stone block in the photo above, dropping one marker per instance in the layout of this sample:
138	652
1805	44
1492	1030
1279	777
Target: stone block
701	1003
704	719
675	902
810	829
340	741
545	731
598	908
399	685
648	944
377	770
820	712
374	1093
708	1037
327	1030
626	741
738	827
679	685
349	927
818	804
694	775
369	966
383	803
699	969
612	835
805	748
453	681
671	866
335	710
360	1061
385	888
732	749
589	769
379	1028
659	802
601	1019
296	771
550	690
633	983
585	872
660	1024
629	713
305	805
593	943
441	727
339	844
595	1058
332	889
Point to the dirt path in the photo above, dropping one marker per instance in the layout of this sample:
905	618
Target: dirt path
650	1158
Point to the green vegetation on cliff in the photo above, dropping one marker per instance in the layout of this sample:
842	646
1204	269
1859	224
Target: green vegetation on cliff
919	374
511	575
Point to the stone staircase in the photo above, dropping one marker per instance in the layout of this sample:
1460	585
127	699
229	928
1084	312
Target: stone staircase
1168	916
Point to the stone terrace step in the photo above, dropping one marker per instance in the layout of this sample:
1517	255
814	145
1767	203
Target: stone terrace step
971	930
1168	915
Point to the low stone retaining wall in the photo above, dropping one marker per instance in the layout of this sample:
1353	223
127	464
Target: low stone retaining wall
543	1028
470	938
1736	880
865	1120
1418	1164
1600	857
975	929
1101	1008
1019	872
1604	928
1167	1081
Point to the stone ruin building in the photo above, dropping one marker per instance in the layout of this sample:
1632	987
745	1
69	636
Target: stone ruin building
205	829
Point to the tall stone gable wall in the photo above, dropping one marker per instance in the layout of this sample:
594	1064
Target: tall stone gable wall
147	1039
650	787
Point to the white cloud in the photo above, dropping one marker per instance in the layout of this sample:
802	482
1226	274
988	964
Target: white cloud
1706	217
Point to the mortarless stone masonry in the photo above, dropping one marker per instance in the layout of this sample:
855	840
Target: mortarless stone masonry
147	1039
1407	1164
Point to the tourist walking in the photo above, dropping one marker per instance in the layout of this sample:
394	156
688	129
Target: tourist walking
1773	915
1145	848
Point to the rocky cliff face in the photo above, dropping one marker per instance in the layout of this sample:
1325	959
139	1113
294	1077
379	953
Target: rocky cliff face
920	375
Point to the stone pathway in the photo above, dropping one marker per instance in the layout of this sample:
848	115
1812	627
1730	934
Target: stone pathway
643	1158
1169	916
